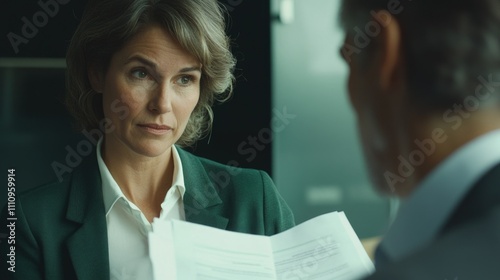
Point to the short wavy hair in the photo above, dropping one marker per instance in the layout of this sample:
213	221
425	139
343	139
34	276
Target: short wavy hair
105	27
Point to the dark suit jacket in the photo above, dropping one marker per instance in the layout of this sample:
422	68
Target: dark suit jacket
468	247
61	227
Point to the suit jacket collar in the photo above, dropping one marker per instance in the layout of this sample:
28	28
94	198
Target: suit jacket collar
88	246
201	200
422	216
479	202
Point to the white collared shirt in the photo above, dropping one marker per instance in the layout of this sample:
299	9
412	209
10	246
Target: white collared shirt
128	227
425	212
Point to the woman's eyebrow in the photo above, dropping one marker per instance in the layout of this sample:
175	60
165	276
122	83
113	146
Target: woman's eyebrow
190	69
148	62
142	60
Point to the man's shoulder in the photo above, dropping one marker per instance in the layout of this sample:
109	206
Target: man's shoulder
470	251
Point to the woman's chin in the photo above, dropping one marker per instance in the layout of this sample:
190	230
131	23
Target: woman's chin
151	150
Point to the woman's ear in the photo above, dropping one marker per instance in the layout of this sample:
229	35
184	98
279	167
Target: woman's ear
96	78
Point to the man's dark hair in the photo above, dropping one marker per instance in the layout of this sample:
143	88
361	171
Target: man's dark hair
446	45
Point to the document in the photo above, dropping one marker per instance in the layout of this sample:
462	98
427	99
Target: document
323	248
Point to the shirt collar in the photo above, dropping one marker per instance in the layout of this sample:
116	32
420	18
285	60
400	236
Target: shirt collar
425	212
178	179
112	192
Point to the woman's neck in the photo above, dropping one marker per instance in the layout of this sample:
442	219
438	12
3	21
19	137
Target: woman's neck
143	180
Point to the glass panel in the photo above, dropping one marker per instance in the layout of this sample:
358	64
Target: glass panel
317	159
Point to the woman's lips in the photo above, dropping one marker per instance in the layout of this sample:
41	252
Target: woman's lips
156	129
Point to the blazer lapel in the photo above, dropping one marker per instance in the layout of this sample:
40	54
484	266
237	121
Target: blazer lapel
201	200
88	246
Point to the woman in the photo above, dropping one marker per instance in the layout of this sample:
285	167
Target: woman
145	73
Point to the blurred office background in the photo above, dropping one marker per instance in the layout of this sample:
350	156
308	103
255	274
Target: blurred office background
317	159
289	114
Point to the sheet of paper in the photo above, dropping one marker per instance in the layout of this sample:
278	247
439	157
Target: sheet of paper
323	248
204	253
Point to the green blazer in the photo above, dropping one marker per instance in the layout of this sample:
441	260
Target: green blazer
61	227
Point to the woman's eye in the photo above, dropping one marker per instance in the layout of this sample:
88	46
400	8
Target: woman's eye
139	74
185	80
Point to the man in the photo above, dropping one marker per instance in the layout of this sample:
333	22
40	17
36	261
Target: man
425	84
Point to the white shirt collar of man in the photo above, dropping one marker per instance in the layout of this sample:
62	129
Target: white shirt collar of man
424	213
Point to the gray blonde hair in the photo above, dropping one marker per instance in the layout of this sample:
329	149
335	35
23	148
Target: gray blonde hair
105	27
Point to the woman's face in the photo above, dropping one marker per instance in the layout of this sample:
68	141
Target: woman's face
149	91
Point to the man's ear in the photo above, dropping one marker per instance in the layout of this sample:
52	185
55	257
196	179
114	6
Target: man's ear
96	78
389	48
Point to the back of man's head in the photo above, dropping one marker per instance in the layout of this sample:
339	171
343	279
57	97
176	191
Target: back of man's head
447	46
